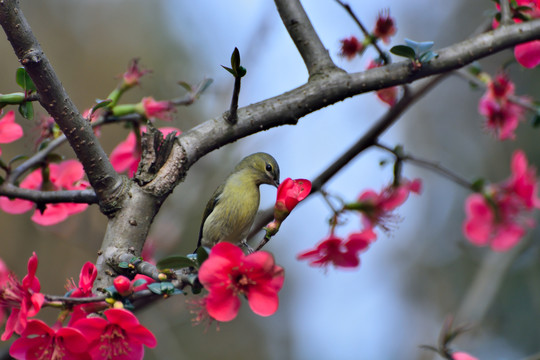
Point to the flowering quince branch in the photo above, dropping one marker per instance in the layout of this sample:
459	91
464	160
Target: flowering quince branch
255	276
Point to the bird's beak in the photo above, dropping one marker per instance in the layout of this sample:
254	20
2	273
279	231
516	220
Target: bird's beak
276	183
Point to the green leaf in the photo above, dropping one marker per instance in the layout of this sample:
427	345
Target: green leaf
54	158
536	119
403	50
202	254
241	71
100	104
26	109
475	68
139	282
155	288
478	185
123	265
23	80
186	86
229	70
175	262
235	59
17	158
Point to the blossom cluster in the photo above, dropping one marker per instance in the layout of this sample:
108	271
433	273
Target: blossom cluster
500	215
376	210
116	335
384	28
501	108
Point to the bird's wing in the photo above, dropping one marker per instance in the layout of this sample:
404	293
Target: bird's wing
210	206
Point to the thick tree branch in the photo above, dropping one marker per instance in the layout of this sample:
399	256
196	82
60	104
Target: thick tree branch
58	104
308	43
287	108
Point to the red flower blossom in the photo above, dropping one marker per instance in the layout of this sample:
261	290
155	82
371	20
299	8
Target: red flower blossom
64	176
228	273
127	155
527	54
501	215
123	285
501	113
384	27
134	73
87	277
338	252
377	209
4	278
39	341
24	299
120	336
9	129
463	356
388	95
157	109
350	47
290	193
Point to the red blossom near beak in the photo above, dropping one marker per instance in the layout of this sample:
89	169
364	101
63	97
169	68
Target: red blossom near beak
289	194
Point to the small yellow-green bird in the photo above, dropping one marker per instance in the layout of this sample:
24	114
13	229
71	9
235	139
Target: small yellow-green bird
231	210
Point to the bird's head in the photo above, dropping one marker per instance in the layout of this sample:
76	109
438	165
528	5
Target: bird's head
262	166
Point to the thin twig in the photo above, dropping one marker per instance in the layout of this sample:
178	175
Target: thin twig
383	55
307	41
506	12
426	164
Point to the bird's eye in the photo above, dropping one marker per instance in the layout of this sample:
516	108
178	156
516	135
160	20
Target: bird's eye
268	167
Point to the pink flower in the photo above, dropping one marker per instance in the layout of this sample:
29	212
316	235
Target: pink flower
501	113
228	273
127	155
377	209
39	341
501	215
134	73
157	109
290	193
463	356
9	129
338	252
120	336
24	299
87	277
64	176
384	27
387	95
527	54
350	47
4	278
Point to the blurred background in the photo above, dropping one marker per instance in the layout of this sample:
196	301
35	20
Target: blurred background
409	280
